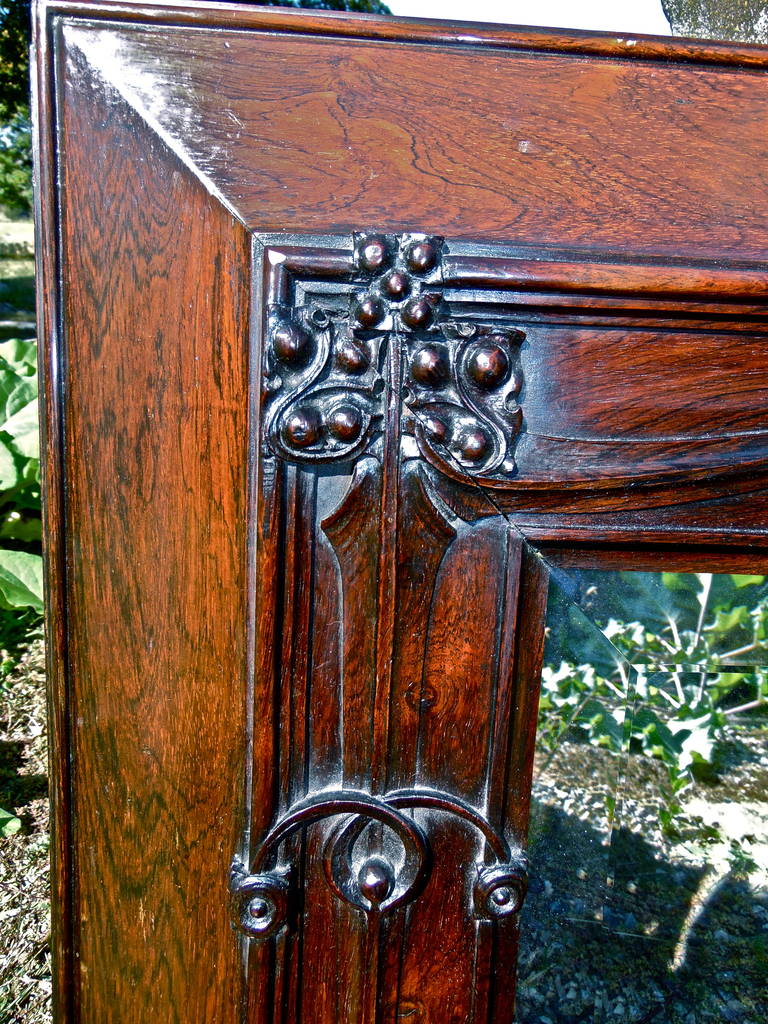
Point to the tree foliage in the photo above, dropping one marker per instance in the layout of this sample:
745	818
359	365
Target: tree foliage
16	164
736	20
14	59
675	656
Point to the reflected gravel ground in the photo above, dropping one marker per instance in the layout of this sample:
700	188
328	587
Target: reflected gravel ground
623	925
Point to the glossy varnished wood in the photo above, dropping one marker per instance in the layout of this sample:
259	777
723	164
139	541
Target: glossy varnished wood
592	156
276	577
155	303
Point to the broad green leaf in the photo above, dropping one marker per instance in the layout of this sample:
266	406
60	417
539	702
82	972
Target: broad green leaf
16	390
21	580
673	580
604	726
21	353
10	465
20	527
698	739
9	823
23	429
726	620
747	581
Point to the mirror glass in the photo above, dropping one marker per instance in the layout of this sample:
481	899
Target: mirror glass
648	841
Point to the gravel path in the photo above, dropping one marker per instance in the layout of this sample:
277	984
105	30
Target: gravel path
25	968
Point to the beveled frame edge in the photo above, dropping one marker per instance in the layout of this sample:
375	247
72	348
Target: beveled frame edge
417	30
50	357
667	556
484	265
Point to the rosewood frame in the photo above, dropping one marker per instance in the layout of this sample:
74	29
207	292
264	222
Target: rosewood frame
430	440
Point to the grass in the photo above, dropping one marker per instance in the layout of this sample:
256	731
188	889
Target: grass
25	970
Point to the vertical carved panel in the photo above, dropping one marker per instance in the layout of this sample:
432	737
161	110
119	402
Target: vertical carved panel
353	532
378	879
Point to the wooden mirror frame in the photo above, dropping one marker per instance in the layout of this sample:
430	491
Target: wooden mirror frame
350	328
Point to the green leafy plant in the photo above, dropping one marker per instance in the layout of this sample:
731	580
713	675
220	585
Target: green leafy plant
16	164
20	562
691	654
9	824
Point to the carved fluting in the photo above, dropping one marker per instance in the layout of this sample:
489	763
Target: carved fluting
262	901
325	381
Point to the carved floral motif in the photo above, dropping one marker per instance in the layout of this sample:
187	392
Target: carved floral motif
326	373
462	393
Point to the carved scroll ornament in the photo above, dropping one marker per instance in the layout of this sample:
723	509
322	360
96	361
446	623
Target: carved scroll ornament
263	899
369	357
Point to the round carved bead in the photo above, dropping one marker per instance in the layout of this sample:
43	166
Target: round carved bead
291	343
421	257
259	908
430	366
373	253
302	428
500	889
369	311
351	357
396	284
488	365
475	445
376	879
502	897
262	905
435	429
345	423
417	313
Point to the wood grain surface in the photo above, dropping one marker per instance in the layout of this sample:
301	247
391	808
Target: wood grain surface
300	511
304	133
156	296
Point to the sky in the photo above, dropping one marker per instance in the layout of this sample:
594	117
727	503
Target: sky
630	16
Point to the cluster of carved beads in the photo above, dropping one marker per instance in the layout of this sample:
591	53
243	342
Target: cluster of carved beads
325	376
463	386
323	386
402	282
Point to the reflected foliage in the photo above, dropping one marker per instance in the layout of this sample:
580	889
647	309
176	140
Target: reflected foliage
16	164
649	861
686	653
19	476
735	20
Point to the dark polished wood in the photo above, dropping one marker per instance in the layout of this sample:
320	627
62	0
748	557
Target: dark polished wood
350	329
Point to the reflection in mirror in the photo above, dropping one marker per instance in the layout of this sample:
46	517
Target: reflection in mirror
649	824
